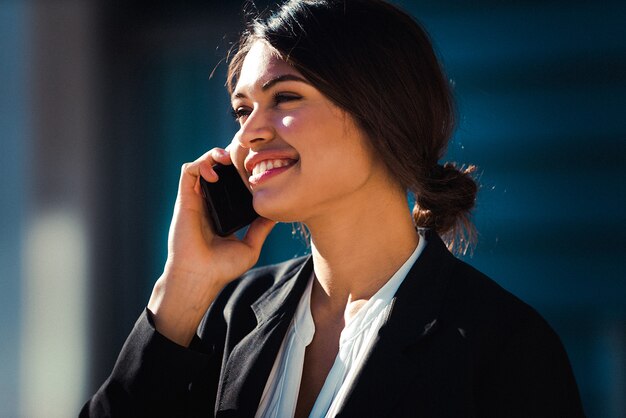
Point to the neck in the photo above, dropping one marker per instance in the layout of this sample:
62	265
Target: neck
356	254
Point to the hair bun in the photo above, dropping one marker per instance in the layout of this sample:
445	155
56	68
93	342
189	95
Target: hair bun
445	201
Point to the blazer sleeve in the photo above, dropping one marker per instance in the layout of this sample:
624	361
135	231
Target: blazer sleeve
151	377
531	377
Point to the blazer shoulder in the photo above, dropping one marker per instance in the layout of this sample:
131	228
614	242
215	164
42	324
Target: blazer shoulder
492	315
520	362
484	297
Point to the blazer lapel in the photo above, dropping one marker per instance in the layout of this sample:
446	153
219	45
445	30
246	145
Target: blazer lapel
393	361
250	362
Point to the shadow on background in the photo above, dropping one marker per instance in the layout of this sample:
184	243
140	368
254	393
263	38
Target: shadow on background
102	101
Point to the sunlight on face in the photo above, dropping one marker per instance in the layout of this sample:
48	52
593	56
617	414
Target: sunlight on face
287	121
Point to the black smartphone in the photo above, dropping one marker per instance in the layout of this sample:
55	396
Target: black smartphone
228	201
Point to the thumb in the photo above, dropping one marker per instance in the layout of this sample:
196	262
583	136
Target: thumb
257	233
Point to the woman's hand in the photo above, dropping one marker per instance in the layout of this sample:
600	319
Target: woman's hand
199	262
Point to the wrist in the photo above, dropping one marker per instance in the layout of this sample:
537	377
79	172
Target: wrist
178	305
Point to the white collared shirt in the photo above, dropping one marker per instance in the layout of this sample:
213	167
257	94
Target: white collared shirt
283	385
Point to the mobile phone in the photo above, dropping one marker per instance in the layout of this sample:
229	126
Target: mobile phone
228	201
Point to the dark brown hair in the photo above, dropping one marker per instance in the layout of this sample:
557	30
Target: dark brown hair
378	64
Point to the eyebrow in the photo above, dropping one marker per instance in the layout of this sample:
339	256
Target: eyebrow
271	82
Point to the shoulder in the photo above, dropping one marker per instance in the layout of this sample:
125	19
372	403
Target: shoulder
518	360
484	296
465	297
471	304
486	307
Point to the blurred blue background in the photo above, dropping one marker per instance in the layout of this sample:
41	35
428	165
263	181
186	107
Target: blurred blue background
101	101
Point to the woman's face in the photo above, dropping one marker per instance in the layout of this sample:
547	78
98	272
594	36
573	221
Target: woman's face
302	156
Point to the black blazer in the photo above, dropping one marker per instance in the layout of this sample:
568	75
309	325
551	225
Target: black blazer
455	344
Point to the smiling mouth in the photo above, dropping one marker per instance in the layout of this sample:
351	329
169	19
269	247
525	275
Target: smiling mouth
267	168
268	165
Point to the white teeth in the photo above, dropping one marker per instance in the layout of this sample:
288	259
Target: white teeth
266	165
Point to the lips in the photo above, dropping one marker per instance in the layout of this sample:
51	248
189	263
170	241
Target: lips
265	169
267	165
262	165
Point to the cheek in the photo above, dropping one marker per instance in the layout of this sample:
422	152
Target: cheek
290	128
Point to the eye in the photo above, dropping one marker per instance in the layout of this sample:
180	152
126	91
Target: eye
240	112
283	97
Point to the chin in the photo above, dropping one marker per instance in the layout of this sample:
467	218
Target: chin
275	209
277	215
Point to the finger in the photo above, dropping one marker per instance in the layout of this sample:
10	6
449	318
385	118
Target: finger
222	156
188	177
208	173
257	233
188	197
204	164
197	188
189	191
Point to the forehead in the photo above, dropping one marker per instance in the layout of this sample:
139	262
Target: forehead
260	65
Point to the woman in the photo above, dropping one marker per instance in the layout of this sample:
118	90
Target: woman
343	108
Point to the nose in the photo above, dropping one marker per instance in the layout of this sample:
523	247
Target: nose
256	129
